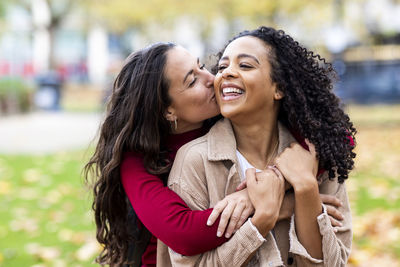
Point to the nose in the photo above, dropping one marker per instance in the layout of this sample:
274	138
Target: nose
228	72
210	80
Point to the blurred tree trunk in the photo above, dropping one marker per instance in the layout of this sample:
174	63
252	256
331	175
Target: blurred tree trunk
59	10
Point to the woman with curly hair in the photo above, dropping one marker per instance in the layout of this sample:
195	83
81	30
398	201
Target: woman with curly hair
273	93
162	98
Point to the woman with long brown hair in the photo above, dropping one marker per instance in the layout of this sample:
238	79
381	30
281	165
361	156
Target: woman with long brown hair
162	98
160	90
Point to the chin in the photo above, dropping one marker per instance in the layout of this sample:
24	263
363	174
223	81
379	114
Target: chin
229	112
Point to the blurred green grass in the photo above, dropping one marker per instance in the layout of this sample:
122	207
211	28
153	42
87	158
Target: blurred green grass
374	186
45	211
46	217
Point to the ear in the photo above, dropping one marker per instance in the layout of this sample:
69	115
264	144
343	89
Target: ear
170	114
278	95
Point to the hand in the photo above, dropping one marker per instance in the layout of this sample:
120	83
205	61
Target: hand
235	208
298	166
332	204
243	185
266	191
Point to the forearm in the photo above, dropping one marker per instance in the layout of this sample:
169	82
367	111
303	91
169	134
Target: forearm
232	253
308	207
165	214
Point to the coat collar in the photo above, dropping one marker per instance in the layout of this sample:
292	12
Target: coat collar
222	143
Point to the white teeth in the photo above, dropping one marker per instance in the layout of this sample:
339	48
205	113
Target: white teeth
232	90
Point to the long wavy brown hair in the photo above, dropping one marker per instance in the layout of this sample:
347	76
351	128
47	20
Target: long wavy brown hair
134	122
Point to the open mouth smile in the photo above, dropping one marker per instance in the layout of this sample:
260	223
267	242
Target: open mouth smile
231	93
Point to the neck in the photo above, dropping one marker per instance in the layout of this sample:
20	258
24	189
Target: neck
257	142
185	127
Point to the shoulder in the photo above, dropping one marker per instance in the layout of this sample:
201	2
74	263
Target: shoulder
194	149
190	156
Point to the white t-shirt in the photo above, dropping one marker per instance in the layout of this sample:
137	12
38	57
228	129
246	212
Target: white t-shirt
244	164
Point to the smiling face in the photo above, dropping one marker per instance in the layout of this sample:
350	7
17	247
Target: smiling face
243	85
191	90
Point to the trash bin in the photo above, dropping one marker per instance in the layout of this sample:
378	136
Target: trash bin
48	94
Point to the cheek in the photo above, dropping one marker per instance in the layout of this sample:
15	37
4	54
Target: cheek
202	106
217	81
201	100
261	86
194	102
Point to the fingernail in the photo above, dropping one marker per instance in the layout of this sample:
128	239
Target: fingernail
341	203
227	235
219	234
335	230
340	224
208	222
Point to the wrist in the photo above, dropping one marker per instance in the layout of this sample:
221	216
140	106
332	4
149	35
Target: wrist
306	185
264	222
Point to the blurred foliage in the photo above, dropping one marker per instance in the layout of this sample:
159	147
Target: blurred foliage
120	15
2	9
14	85
15	95
136	13
47	221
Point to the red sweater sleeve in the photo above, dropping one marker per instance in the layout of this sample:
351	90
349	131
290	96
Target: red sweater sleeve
164	213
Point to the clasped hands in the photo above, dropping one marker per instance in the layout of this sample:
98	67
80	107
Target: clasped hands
265	194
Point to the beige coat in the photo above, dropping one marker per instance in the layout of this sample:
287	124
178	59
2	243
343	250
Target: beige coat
206	170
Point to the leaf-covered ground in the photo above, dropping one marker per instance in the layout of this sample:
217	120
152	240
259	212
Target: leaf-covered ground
45	212
46	218
374	187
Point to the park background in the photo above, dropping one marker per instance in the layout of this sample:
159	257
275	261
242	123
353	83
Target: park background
58	59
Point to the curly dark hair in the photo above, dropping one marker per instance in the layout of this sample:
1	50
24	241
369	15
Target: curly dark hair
309	106
134	122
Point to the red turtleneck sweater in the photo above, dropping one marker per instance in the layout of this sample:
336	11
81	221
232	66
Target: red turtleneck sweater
163	212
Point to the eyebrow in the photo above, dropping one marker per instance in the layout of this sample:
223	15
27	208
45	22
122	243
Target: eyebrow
190	72
242	56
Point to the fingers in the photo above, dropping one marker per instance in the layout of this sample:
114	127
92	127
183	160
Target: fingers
217	211
335	223
225	216
332	203
311	147
277	172
245	214
334	213
242	185
251	176
236	215
331	200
